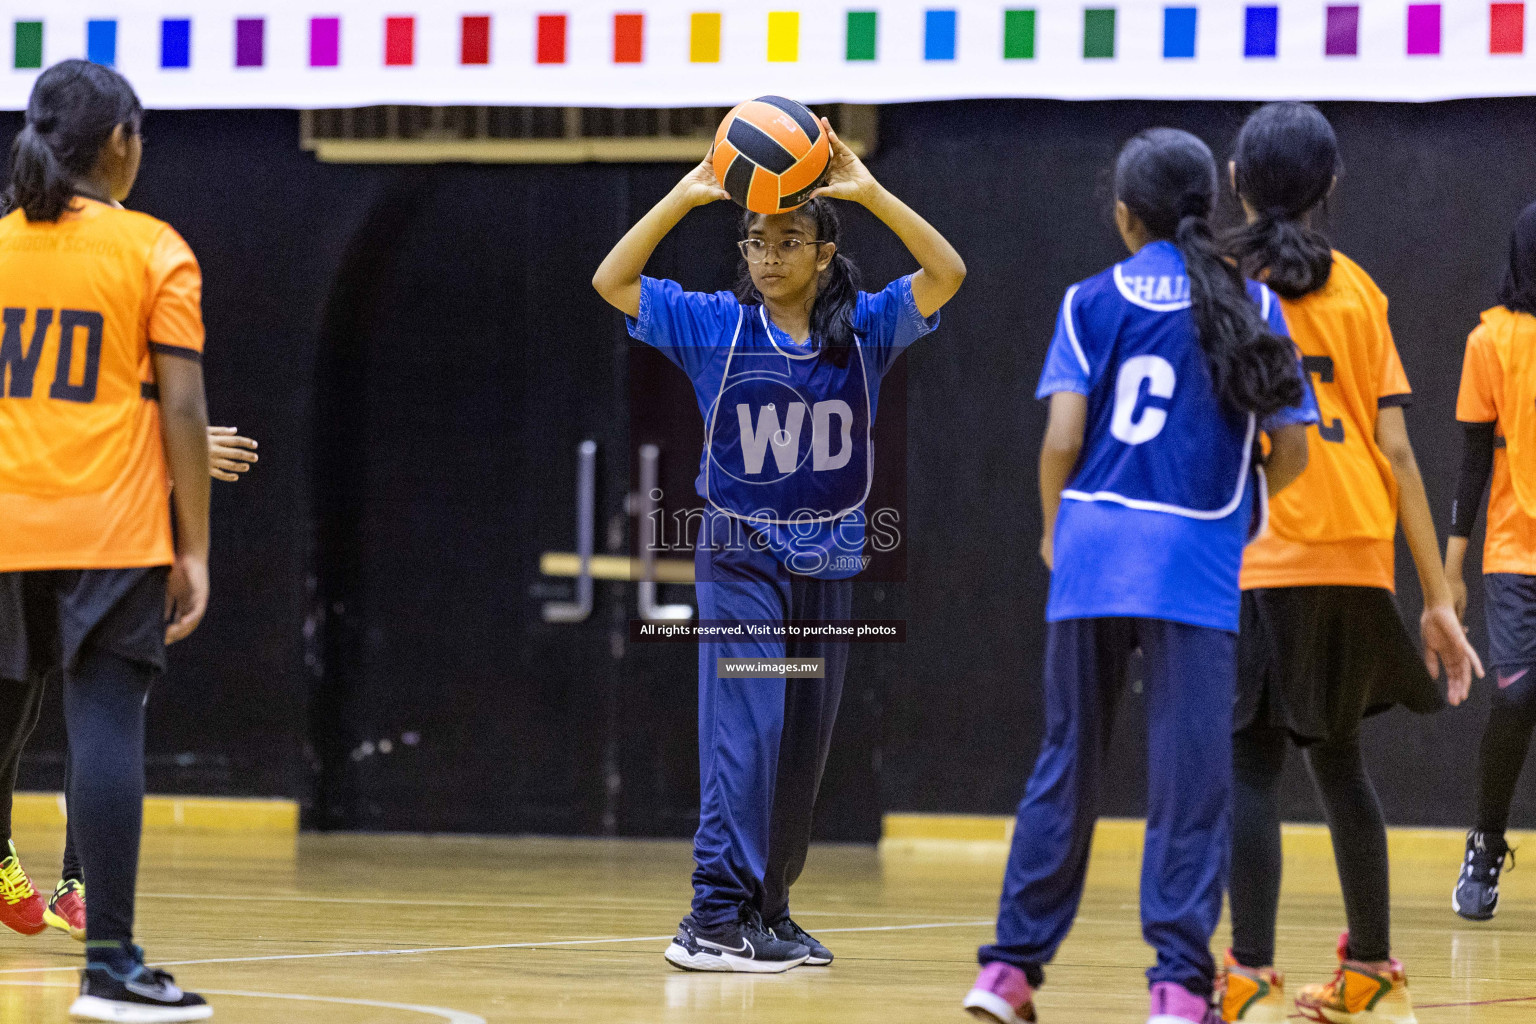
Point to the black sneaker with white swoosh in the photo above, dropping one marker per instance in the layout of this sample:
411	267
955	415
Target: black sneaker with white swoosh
786	929
744	945
131	993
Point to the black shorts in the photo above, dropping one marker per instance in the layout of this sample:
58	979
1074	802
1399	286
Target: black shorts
1316	660
1511	612
47	617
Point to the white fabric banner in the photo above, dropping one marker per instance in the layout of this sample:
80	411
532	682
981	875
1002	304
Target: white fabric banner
330	53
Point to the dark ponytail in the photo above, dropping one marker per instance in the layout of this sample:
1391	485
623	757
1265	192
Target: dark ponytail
74	107
1167	178
1286	160
1518	293
837	295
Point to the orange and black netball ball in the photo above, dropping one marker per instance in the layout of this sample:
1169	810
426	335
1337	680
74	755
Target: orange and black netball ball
771	154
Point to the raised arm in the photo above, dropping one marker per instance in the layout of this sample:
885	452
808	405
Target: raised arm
942	271
618	277
1444	640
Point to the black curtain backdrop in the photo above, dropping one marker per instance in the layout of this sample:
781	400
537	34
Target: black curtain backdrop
419	352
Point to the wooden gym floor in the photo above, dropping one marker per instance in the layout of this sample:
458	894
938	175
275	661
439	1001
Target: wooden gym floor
400	929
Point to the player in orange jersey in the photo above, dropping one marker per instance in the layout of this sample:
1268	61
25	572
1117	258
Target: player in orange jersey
101	340
1498	406
1321	643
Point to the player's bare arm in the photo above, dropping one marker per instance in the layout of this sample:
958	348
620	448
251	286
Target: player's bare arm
1444	640
618	277
943	271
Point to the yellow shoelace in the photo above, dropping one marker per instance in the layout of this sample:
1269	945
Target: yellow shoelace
15	886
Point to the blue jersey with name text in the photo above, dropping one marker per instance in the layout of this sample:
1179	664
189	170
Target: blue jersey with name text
1155	516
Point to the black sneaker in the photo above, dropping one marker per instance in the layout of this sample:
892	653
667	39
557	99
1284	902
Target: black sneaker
786	929
141	995
1476	896
743	945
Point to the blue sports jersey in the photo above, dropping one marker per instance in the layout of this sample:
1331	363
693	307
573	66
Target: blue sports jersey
788	446
1157	512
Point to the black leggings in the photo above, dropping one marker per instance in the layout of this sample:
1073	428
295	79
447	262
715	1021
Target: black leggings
20	705
1505	741
1354	821
104	714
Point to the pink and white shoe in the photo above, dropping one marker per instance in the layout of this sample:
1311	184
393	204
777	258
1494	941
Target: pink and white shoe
1175	1004
1003	994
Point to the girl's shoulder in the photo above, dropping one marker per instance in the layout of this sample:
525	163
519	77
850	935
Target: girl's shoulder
1501	326
898	289
669	293
1349	291
1106	284
675	289
1347	276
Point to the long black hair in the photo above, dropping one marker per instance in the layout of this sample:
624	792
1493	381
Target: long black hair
1167	178
1286	160
837	292
74	107
1518	293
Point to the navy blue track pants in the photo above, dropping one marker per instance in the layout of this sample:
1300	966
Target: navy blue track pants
1190	674
762	742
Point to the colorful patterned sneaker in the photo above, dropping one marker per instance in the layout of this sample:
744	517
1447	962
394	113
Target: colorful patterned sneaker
21	908
1476	896
1003	994
1251	995
116	986
1175	1004
788	931
745	946
66	910
1359	993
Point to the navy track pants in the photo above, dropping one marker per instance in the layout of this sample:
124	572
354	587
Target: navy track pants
1190	677
762	742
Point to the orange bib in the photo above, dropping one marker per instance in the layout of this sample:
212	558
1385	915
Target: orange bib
83	303
1348	491
1514	342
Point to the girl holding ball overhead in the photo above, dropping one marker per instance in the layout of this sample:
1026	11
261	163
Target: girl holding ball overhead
787	370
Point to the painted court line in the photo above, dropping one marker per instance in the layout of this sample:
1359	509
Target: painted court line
1478	1002
451	1016
483	948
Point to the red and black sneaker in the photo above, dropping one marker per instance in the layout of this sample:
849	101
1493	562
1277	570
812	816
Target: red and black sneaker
66	910
21	908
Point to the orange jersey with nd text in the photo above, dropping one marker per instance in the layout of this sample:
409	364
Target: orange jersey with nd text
84	301
1336	524
1498	385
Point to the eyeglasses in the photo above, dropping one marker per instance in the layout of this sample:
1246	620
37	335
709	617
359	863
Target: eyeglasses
755	250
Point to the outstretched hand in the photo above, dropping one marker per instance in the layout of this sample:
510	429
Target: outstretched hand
699	186
847	177
1445	643
229	454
